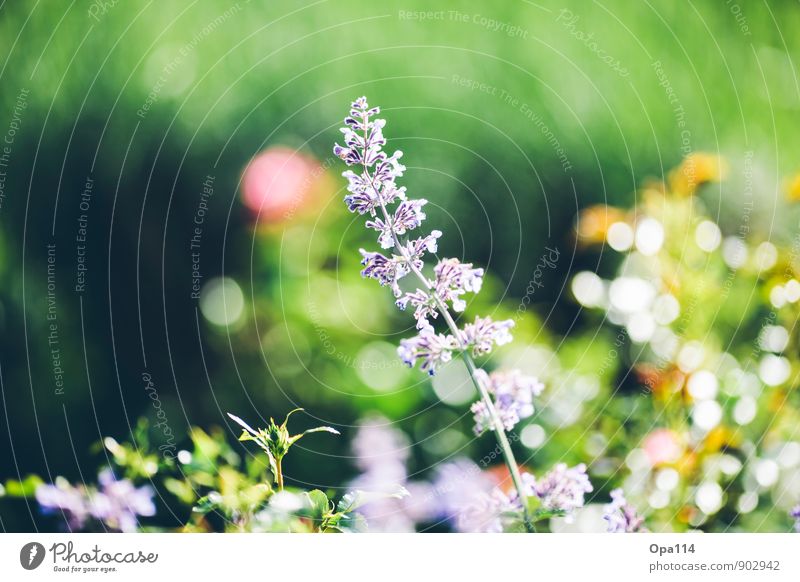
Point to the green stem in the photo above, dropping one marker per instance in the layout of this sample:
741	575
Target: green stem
497	423
279	471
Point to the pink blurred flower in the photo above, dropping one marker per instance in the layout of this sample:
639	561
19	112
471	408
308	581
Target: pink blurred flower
662	446
280	181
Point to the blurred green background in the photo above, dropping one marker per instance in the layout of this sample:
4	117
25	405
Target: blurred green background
511	119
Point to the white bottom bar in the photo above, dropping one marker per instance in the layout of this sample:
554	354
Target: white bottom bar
390	557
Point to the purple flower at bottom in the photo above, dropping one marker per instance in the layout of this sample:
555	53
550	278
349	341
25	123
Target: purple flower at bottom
621	516
62	497
116	503
468	498
119	502
795	513
562	489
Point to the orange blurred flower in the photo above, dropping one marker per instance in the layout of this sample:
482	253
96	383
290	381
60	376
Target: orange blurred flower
696	170
594	221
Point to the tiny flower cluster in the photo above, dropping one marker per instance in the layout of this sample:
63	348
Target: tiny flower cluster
563	488
622	516
513	395
795	514
476	505
116	503
372	190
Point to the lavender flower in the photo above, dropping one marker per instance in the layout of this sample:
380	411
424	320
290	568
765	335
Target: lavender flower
562	489
371	191
512	393
407	216
381	452
475	504
795	514
62	497
117	503
432	348
468	498
454	278
621	516
481	335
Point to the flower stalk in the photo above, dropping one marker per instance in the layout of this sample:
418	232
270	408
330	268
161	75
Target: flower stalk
371	192
498	427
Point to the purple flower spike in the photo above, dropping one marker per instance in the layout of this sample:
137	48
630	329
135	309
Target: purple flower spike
506	398
562	489
484	333
621	516
512	393
431	348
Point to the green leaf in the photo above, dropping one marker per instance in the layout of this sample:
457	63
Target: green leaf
25	488
208	503
297	437
180	489
542	514
291	412
320	506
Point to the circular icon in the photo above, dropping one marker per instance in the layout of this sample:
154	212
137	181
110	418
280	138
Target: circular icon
31	555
